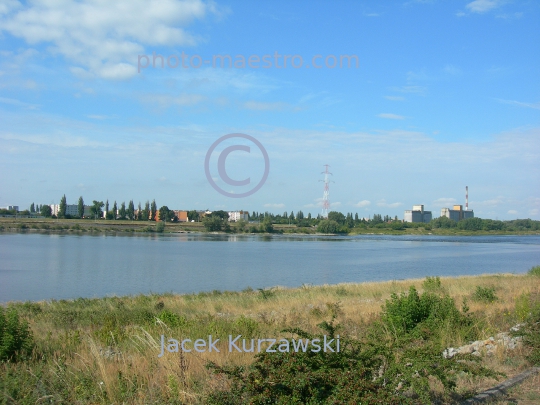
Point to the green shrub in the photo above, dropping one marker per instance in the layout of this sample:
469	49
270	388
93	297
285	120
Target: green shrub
171	319
432	284
160	227
424	315
484	294
534	271
16	339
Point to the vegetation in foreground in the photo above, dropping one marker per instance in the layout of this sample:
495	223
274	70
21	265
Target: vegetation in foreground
103	351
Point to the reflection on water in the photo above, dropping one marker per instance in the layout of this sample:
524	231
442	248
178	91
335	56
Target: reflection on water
39	266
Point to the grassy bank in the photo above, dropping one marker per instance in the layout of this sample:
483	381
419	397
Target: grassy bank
81	226
104	351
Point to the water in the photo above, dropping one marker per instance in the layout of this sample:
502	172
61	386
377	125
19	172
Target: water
40	266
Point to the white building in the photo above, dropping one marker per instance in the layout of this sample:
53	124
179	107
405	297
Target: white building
235	216
71	210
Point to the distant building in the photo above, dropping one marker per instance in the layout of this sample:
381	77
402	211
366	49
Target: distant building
235	216
457	213
71	210
417	214
181	215
12	208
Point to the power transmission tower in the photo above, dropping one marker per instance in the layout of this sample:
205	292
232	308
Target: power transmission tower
326	202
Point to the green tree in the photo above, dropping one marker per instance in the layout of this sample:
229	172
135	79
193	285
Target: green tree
107	209
337	217
165	214
328	226
153	210
193	215
146	211
470	224
131	210
63	207
224	215
122	211
241	225
291	217
80	207
32	208
46	210
443	222
115	211
139	212
95	209
266	225
212	223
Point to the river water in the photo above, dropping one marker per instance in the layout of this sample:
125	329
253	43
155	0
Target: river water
43	266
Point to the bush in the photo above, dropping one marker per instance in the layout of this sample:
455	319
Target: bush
534	271
15	337
424	315
160	227
328	226
484	294
432	284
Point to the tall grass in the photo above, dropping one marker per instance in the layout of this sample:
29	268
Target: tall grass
94	351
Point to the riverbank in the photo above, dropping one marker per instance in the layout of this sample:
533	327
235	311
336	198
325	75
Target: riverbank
48	225
106	350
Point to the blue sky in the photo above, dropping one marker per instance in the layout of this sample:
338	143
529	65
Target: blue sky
446	94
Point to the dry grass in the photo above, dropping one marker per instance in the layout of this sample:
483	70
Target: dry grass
134	374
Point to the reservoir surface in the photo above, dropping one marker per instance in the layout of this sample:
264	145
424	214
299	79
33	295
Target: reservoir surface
53	266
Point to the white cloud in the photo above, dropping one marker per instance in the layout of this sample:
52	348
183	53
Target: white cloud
420	90
383	203
394	98
444	202
391	116
363	203
482	6
165	100
262	106
104	37
512	212
280	205
535	106
18	103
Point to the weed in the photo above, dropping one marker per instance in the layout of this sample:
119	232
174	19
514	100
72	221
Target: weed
534	271
484	294
16	339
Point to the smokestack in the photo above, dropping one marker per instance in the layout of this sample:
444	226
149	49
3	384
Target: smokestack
466	198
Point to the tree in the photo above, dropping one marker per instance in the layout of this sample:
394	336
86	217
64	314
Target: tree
146	211
63	207
165	214
32	208
193	215
212	223
95	209
153	210
300	215
309	215
80	207
46	210
122	212
266	225
328	226
222	214
139	212
107	209
131	210
241	225
115	211
291	217
337	217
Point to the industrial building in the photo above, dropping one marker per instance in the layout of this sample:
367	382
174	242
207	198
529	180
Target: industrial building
417	214
457	213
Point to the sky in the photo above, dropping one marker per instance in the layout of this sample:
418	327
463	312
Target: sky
408	102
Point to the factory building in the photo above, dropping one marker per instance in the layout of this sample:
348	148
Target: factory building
457	213
417	214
